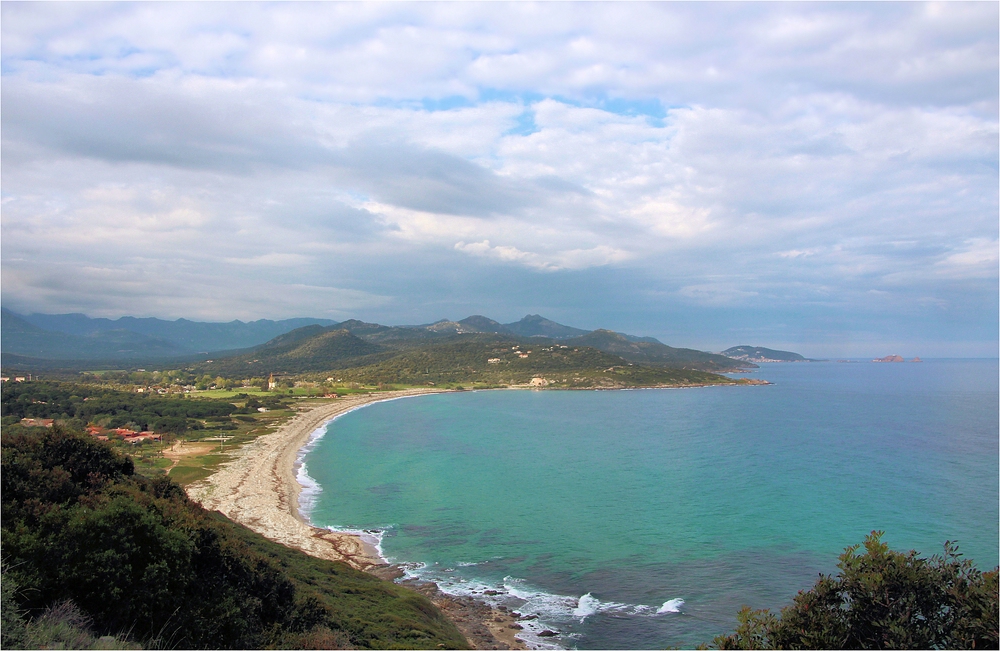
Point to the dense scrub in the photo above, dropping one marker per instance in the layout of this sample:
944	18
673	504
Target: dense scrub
882	599
466	359
86	403
138	559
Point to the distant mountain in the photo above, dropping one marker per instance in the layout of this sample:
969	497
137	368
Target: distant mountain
650	351
20	337
182	334
484	324
299	345
392	336
761	354
534	325
312	348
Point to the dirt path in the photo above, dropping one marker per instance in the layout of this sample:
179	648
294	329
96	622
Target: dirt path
181	449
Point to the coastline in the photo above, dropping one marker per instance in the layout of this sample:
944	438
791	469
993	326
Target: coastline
258	488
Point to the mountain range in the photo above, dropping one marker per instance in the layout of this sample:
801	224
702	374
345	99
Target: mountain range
298	345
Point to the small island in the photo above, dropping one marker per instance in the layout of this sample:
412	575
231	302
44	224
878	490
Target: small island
895	359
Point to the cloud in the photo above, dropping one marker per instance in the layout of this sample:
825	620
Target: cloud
773	160
979	260
553	261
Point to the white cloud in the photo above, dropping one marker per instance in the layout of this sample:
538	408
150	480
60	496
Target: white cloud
979	259
550	261
289	142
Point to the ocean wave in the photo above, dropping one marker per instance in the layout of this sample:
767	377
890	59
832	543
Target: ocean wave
373	537
310	487
539	610
672	606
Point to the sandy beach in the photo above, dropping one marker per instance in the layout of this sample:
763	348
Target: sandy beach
258	489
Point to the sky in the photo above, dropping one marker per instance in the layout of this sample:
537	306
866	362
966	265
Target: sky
815	177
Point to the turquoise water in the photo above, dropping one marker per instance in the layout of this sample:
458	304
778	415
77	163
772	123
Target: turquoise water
644	519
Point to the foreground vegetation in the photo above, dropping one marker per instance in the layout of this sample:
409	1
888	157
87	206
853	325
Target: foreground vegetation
130	557
882	599
96	555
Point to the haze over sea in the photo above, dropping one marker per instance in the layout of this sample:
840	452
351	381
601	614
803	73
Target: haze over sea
642	519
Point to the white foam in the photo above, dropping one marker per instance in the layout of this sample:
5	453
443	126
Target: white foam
310	487
672	606
587	606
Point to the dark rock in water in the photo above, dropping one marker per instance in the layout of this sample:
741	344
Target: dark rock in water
525	618
547	633
491	592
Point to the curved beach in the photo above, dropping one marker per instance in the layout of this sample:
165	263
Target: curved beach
258	489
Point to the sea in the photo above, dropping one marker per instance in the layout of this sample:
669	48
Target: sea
647	518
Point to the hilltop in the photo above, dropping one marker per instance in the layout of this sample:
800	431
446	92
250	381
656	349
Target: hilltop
649	351
316	346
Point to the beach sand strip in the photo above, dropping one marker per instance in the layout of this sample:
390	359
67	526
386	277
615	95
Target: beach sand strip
258	489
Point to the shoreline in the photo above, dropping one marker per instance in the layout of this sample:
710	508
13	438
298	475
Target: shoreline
259	489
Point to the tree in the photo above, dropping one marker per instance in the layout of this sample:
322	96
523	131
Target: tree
882	599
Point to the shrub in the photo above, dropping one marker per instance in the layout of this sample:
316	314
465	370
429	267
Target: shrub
882	599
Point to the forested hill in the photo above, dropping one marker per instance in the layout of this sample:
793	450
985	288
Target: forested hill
139	560
373	353
652	352
314	347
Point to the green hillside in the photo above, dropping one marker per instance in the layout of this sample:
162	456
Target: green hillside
535	325
143	562
502	360
650	351
312	348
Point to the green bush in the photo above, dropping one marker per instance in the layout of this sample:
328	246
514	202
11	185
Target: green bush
882	599
135	555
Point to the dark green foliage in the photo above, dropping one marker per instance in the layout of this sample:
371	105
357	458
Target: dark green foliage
268	402
122	408
882	599
465	358
312	348
13	631
136	556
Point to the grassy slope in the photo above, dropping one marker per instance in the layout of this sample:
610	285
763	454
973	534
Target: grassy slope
64	537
